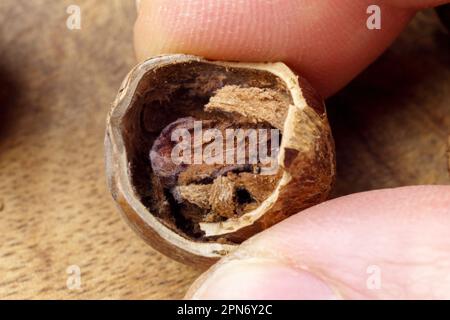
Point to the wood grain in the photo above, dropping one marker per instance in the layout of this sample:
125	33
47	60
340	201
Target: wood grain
391	124
56	86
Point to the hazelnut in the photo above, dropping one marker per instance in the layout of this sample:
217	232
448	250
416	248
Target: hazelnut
191	208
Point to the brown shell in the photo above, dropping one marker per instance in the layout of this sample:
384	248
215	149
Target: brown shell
306	155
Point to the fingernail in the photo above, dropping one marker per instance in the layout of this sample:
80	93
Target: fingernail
261	279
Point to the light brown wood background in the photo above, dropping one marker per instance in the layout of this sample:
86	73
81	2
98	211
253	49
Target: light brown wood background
391	127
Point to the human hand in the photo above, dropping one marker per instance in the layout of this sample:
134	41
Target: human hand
327	40
326	251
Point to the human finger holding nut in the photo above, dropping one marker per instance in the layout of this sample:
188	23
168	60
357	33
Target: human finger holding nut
314	253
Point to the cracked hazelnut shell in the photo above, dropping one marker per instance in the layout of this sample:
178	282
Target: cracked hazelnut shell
164	89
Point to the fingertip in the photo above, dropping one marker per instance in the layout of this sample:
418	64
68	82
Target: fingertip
138	5
330	250
326	42
225	30
261	279
147	39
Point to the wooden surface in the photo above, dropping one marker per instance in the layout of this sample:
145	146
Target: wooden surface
391	127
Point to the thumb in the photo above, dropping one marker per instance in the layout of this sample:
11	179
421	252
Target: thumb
387	244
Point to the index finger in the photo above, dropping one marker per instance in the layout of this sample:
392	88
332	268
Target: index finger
326	41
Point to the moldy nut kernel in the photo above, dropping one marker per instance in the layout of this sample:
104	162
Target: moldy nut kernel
197	211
